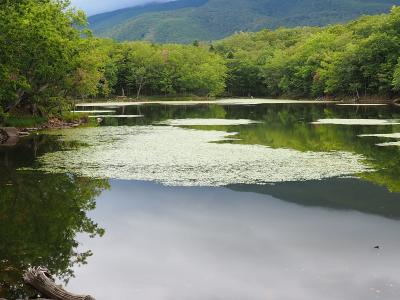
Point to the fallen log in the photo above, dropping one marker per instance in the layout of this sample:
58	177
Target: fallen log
11	132
9	136
39	278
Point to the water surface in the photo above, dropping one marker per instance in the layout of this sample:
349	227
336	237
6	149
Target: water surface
209	202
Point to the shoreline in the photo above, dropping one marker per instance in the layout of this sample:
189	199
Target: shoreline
7	139
9	136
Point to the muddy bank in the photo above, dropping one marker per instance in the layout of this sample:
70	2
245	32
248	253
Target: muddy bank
9	136
56	123
3	136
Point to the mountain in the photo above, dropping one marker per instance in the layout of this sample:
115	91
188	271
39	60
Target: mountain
184	21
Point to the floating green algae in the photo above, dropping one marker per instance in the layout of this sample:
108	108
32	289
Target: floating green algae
188	157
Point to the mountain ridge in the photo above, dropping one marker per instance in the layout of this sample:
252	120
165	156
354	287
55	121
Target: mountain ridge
129	12
184	21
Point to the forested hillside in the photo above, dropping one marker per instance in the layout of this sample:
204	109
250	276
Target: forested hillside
358	59
46	61
184	21
48	58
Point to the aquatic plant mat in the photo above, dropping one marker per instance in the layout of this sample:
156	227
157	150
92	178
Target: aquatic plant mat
117	116
372	122
208	122
395	135
92	111
196	102
189	157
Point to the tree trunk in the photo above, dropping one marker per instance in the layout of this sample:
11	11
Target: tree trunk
20	94
39	278
138	91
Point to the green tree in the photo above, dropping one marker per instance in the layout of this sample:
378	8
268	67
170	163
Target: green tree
396	77
169	69
141	66
39	49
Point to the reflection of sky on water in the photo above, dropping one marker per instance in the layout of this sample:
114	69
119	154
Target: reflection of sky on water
214	243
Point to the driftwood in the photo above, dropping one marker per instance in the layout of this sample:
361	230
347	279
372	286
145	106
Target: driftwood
39	278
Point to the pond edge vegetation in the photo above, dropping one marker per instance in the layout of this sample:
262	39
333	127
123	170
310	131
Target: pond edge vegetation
49	58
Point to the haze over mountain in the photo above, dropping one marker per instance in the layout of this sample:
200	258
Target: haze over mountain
184	21
92	7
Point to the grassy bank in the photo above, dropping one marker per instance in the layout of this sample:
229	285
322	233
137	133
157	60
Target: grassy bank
24	121
28	121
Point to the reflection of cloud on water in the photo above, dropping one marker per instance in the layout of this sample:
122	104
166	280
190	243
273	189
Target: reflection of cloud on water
212	243
176	156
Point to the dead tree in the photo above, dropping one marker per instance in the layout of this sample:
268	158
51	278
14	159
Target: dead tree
39	278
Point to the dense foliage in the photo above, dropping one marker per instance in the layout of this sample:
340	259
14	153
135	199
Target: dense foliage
39	53
47	56
183	21
168	69
358	59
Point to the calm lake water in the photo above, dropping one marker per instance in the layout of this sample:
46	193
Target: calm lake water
269	201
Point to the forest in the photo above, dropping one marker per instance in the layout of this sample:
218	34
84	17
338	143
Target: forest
357	59
49	58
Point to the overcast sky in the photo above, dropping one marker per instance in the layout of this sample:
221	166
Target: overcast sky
96	6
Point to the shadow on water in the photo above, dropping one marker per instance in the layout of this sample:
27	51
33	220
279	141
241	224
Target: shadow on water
41	215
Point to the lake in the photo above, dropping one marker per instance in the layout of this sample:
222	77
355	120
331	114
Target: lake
240	199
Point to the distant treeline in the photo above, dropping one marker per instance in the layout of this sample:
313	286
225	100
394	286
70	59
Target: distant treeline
360	58
47	56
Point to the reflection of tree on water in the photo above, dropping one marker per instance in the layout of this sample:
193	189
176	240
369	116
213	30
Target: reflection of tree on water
336	193
288	126
40	216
